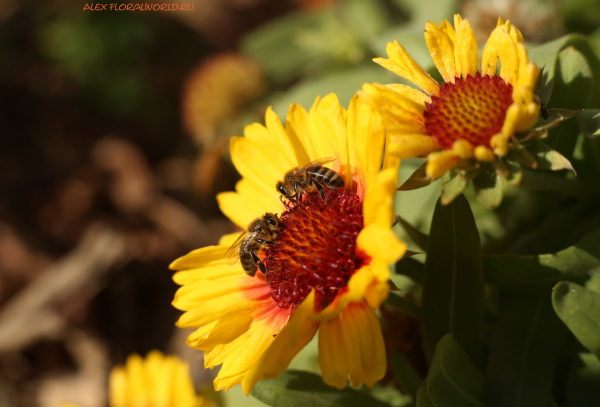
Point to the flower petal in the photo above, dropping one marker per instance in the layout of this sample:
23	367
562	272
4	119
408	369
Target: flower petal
500	47
381	243
292	338
403	65
366	138
466	49
441	49
352	345
440	162
411	145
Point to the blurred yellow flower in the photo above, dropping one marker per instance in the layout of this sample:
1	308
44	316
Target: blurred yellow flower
157	381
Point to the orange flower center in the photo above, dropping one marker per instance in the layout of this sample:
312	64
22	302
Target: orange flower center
317	250
472	109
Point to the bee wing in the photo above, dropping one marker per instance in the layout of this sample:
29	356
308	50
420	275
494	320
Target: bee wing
315	163
234	251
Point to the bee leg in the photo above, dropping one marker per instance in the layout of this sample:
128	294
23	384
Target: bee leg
263	241
259	262
320	188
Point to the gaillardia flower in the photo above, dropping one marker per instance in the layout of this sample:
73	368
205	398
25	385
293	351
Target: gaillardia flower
327	269
476	122
157	381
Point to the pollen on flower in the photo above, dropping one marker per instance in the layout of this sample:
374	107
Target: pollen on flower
471	109
317	249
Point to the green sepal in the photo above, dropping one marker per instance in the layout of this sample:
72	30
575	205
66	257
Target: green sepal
489	188
515	174
522	156
453	184
417	179
548	158
589	123
579	308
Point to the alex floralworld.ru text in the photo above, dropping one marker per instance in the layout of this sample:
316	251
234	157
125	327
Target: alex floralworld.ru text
137	7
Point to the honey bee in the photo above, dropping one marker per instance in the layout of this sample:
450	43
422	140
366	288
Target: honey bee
261	232
298	180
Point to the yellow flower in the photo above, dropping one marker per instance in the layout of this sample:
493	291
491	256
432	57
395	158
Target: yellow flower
474	117
157	381
329	267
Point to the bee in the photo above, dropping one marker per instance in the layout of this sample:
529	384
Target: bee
298	180
261	232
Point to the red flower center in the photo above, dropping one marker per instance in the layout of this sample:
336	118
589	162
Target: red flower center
472	109
317	250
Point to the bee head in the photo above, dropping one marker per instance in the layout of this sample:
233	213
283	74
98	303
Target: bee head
282	189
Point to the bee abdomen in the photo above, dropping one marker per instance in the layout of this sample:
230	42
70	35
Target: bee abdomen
327	177
248	264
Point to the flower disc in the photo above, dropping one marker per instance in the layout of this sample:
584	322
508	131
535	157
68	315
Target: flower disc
317	250
471	109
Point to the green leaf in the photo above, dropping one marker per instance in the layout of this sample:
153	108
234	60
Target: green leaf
572	90
542	272
583	381
408	377
525	348
418	179
301	389
411	268
548	158
489	188
453	184
546	56
453	380
343	83
453	289
273	44
555	116
589	122
544	181
402	304
579	309
415	234
428	10
423	399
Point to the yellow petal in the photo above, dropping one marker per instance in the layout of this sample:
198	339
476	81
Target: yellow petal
328	121
298	128
411	93
395	107
440	162
241	354
366	138
206	256
381	243
378	205
403	65
411	145
500	47
510	120
231	325
352	345
483	153
441	49
463	148
466	49
499	143
290	340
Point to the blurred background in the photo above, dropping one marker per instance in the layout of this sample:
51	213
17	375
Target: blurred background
114	135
